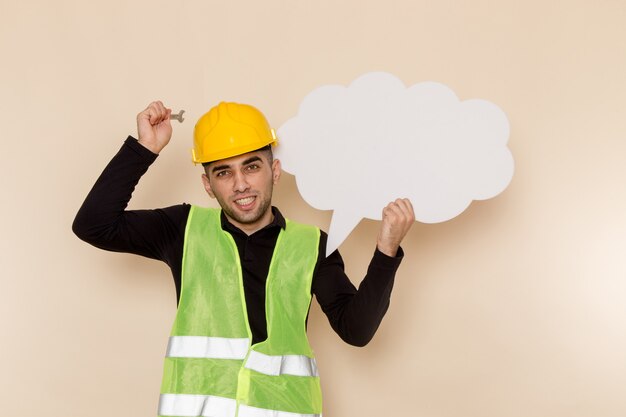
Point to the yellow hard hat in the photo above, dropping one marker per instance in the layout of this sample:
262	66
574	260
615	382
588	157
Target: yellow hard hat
230	129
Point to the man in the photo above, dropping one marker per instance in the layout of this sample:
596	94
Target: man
244	274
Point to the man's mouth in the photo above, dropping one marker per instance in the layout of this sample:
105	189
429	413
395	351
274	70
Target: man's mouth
245	201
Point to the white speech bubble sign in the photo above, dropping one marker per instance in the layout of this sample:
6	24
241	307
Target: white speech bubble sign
355	149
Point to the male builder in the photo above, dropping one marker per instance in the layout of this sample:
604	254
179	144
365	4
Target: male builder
244	274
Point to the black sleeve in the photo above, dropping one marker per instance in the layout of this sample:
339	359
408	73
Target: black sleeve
104	222
354	314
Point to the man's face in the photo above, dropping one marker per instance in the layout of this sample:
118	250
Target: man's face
243	187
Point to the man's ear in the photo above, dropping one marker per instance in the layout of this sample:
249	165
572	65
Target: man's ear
207	185
276	171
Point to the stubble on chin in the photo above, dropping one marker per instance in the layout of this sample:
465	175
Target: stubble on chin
246	218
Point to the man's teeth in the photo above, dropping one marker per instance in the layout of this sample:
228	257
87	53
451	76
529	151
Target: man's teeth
244	201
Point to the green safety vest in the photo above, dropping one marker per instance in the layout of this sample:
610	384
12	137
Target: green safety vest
211	368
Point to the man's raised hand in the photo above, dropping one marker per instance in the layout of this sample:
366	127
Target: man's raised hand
154	127
398	217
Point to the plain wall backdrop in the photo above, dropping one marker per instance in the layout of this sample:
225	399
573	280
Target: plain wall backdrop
516	308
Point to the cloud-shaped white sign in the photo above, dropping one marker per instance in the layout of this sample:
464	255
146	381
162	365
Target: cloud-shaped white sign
354	149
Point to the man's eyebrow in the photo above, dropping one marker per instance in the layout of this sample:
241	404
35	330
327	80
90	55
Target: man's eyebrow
219	168
246	162
252	159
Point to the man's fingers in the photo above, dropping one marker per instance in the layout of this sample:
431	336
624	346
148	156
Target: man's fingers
407	209
405	204
398	217
156	112
400	209
162	111
154	126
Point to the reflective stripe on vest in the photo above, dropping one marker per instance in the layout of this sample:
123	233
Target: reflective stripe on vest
185	405
207	347
246	411
210	364
298	365
223	348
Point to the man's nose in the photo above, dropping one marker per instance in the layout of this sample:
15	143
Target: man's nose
240	184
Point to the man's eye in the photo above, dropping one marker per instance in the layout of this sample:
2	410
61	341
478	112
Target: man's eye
252	167
221	174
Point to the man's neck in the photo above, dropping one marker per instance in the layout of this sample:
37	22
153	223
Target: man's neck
250	229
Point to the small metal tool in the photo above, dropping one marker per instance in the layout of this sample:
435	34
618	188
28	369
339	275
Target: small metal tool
178	116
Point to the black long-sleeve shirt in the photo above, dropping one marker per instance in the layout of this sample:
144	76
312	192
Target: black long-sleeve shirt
104	222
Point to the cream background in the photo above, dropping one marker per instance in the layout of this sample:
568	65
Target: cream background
515	308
